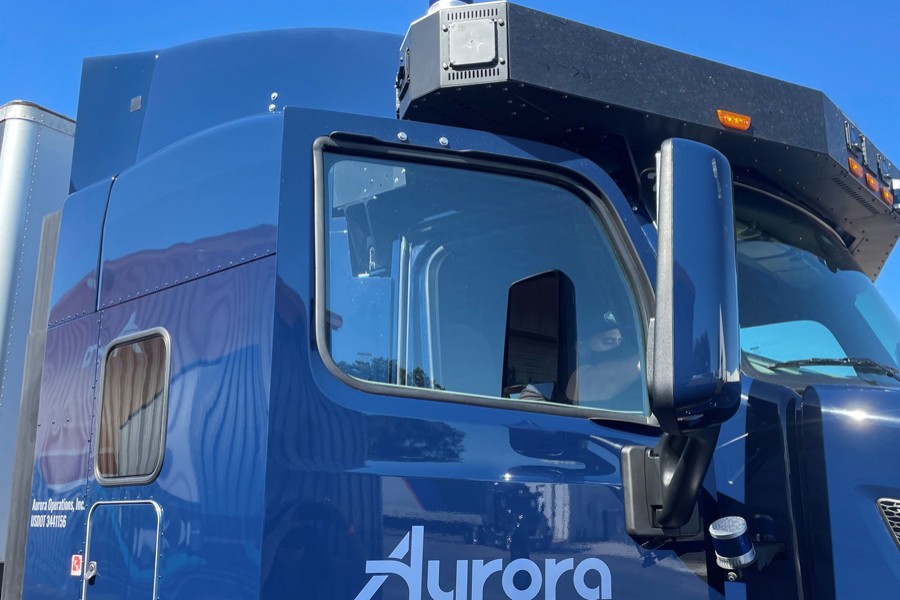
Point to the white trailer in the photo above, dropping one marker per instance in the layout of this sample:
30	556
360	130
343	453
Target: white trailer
35	164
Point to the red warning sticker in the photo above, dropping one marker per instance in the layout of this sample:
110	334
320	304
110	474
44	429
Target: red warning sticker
75	569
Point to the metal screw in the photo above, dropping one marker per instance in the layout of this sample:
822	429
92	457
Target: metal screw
272	108
443	141
502	61
444	28
445	66
402	136
501	23
274	96
732	576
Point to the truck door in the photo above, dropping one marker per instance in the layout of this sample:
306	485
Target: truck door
121	555
481	309
123	527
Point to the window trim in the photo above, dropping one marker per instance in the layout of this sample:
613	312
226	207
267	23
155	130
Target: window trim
155	332
572	181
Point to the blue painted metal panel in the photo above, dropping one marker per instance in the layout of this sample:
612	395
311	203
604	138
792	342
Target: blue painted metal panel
76	274
123	540
110	117
857	425
200	206
756	480
343	487
62	460
345	484
211	484
133	105
235	76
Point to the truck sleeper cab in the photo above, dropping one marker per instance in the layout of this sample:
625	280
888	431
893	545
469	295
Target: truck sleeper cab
338	355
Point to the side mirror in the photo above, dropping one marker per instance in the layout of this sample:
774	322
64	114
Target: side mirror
694	345
539	352
694	348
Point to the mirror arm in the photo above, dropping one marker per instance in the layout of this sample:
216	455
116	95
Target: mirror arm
683	462
662	484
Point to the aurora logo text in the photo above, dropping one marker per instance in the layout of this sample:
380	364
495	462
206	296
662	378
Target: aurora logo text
471	575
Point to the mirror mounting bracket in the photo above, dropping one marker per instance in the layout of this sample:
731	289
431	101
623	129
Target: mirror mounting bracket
662	484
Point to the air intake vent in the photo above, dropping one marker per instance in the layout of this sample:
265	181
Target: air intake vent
855	195
464	15
890	512
473	74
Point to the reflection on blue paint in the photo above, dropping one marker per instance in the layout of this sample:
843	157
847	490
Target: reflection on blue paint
75	274
123	540
200	206
133	105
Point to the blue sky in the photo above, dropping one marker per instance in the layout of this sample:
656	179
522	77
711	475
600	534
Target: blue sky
849	50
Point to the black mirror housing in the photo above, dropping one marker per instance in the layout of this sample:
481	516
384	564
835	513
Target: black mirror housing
694	353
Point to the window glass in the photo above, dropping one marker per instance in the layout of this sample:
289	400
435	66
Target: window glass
875	309
133	411
804	300
795	340
476	283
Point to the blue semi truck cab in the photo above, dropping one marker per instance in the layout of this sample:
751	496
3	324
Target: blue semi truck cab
512	307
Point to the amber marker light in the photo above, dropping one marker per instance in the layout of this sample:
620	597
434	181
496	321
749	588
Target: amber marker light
855	167
887	196
733	120
872	183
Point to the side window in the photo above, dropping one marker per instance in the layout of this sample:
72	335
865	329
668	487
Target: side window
133	409
476	283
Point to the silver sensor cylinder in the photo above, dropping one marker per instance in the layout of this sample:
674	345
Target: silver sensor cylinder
734	550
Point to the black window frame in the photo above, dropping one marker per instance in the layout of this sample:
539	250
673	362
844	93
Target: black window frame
147	334
579	185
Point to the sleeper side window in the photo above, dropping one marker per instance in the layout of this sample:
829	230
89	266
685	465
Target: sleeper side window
133	410
477	283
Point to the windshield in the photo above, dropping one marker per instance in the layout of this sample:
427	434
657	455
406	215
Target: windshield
808	313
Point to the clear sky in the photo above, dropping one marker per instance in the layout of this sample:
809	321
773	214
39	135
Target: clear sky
849	50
